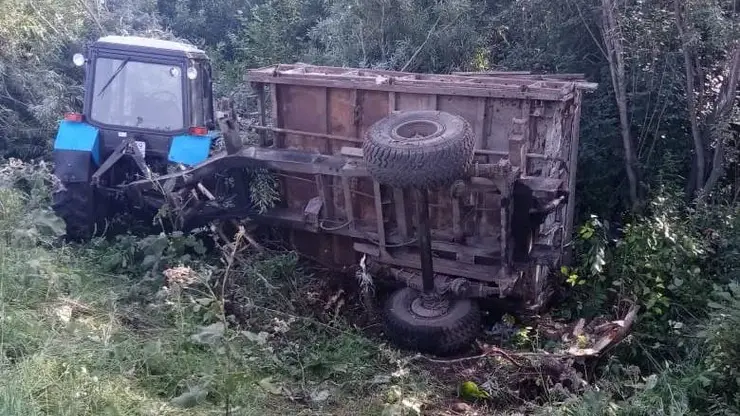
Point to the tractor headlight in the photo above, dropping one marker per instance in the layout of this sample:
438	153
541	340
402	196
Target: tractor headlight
192	73
78	59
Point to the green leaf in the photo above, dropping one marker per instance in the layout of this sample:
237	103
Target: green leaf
470	390
715	305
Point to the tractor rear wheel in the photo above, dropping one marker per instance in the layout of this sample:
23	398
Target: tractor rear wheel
419	149
75	204
437	326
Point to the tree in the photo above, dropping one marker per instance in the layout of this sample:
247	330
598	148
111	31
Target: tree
612	37
710	42
38	81
419	36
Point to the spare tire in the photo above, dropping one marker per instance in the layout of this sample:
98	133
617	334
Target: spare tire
419	149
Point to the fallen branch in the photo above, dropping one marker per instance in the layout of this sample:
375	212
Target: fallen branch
488	351
616	332
606	336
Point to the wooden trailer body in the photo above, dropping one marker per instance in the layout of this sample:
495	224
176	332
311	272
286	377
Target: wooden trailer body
526	124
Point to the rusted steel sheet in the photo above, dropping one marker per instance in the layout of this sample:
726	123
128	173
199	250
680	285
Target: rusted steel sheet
531	120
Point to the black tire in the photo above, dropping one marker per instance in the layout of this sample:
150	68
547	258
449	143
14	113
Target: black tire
446	334
75	204
419	149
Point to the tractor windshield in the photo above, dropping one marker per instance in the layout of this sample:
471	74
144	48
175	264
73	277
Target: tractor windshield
144	95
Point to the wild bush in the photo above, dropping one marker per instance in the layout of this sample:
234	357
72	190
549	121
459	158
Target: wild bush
656	260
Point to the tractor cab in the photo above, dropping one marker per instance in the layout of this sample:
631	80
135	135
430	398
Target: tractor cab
154	93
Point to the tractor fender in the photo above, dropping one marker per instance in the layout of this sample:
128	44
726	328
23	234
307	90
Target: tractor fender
76	151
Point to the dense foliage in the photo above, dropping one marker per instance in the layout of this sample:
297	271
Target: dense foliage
674	252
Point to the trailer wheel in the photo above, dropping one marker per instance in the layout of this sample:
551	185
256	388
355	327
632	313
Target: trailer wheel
75	204
419	149
442	329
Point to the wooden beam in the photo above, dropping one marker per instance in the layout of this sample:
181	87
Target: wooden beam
262	112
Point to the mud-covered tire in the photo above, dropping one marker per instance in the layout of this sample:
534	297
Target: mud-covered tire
442	335
419	149
75	204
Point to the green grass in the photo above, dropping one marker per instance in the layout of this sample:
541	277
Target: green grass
109	328
81	337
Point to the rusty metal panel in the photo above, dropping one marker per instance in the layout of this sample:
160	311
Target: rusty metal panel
296	100
341	120
373	106
472	109
499	127
340	109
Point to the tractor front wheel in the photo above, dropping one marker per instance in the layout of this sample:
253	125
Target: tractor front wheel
75	204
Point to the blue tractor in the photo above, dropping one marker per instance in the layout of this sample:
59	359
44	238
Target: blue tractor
148	111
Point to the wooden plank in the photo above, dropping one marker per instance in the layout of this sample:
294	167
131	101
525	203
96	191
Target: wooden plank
262	113
351	152
442	89
277	115
379	215
374	105
442	266
406	102
469	108
307	133
481	123
386	76
457	230
326	195
342	116
357	110
512	84
348	208
295	102
526	132
572	167
399	203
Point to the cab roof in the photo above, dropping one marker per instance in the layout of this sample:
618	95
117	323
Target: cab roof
151	45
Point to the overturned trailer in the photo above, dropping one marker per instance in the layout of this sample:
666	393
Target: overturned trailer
461	185
494	225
